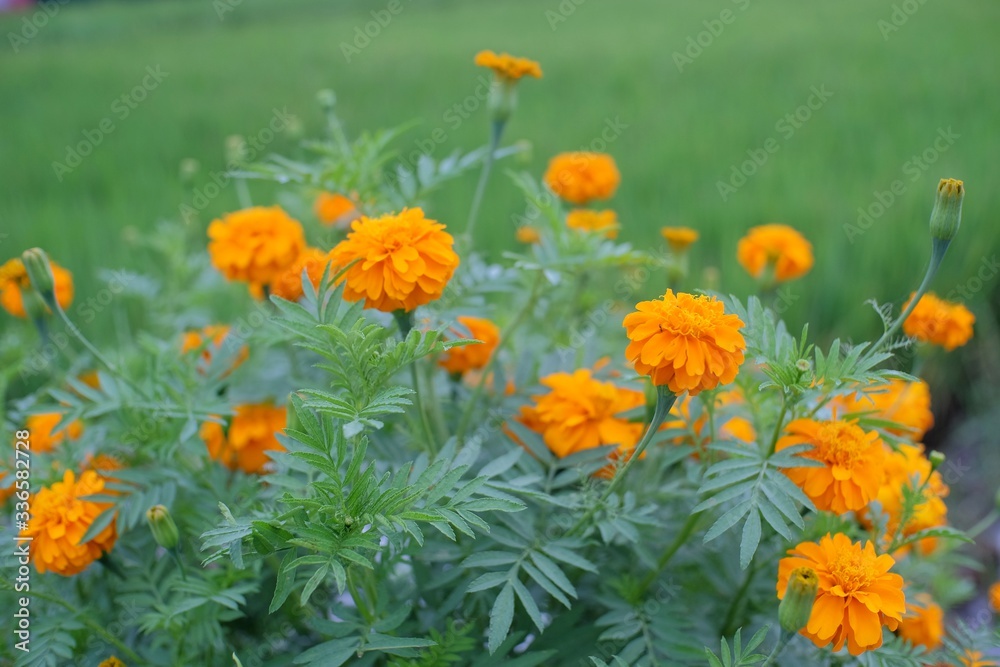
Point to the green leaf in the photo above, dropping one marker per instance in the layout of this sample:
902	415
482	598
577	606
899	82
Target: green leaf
501	617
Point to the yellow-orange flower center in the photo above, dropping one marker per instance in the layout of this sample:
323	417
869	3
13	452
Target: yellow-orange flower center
842	444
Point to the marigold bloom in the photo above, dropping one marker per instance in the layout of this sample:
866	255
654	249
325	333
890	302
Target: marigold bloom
679	238
685	342
474	356
900	401
406	260
40	427
508	67
251	434
995	597
289	284
852	463
923	624
588	220
528	234
581	412
857	592
332	208
255	245
212	337
14	279
909	467
940	322
775	245
60	517
112	662
582	177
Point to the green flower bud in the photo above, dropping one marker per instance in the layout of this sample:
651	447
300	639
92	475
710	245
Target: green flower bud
947	214
800	594
36	264
163	527
327	99
936	458
502	99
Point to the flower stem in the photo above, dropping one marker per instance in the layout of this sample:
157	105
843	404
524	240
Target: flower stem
405	321
496	130
786	637
664	401
778	425
938	250
678	542
505	337
93	350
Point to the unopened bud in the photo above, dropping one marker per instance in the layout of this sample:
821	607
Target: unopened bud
502	100
326	98
800	594
936	458
947	214
162	526
39	270
803	365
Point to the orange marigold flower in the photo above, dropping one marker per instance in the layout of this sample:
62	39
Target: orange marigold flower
476	355
289	284
679	238
852	463
14	279
581	177
251	434
508	67
332	208
255	245
588	220
91	378
112	662
581	412
906	403
909	467
857	593
685	342
60	516
211	338
40	427
528	234
406	260
923	624
940	322
777	246
995	597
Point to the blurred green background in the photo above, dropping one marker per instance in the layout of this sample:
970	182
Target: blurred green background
900	74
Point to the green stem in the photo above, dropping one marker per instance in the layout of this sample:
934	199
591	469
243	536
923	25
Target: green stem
93	350
983	524
678	542
664	401
93	625
778	425
496	130
405	321
782	643
730	616
505	337
938	250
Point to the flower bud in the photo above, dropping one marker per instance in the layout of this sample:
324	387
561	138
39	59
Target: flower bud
936	458
502	100
162	526
236	150
36	264
800	594
947	214
327	99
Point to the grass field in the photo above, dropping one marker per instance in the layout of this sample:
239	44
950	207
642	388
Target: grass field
683	127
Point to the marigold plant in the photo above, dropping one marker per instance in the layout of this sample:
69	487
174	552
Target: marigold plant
939	322
582	177
245	442
255	245
778	250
